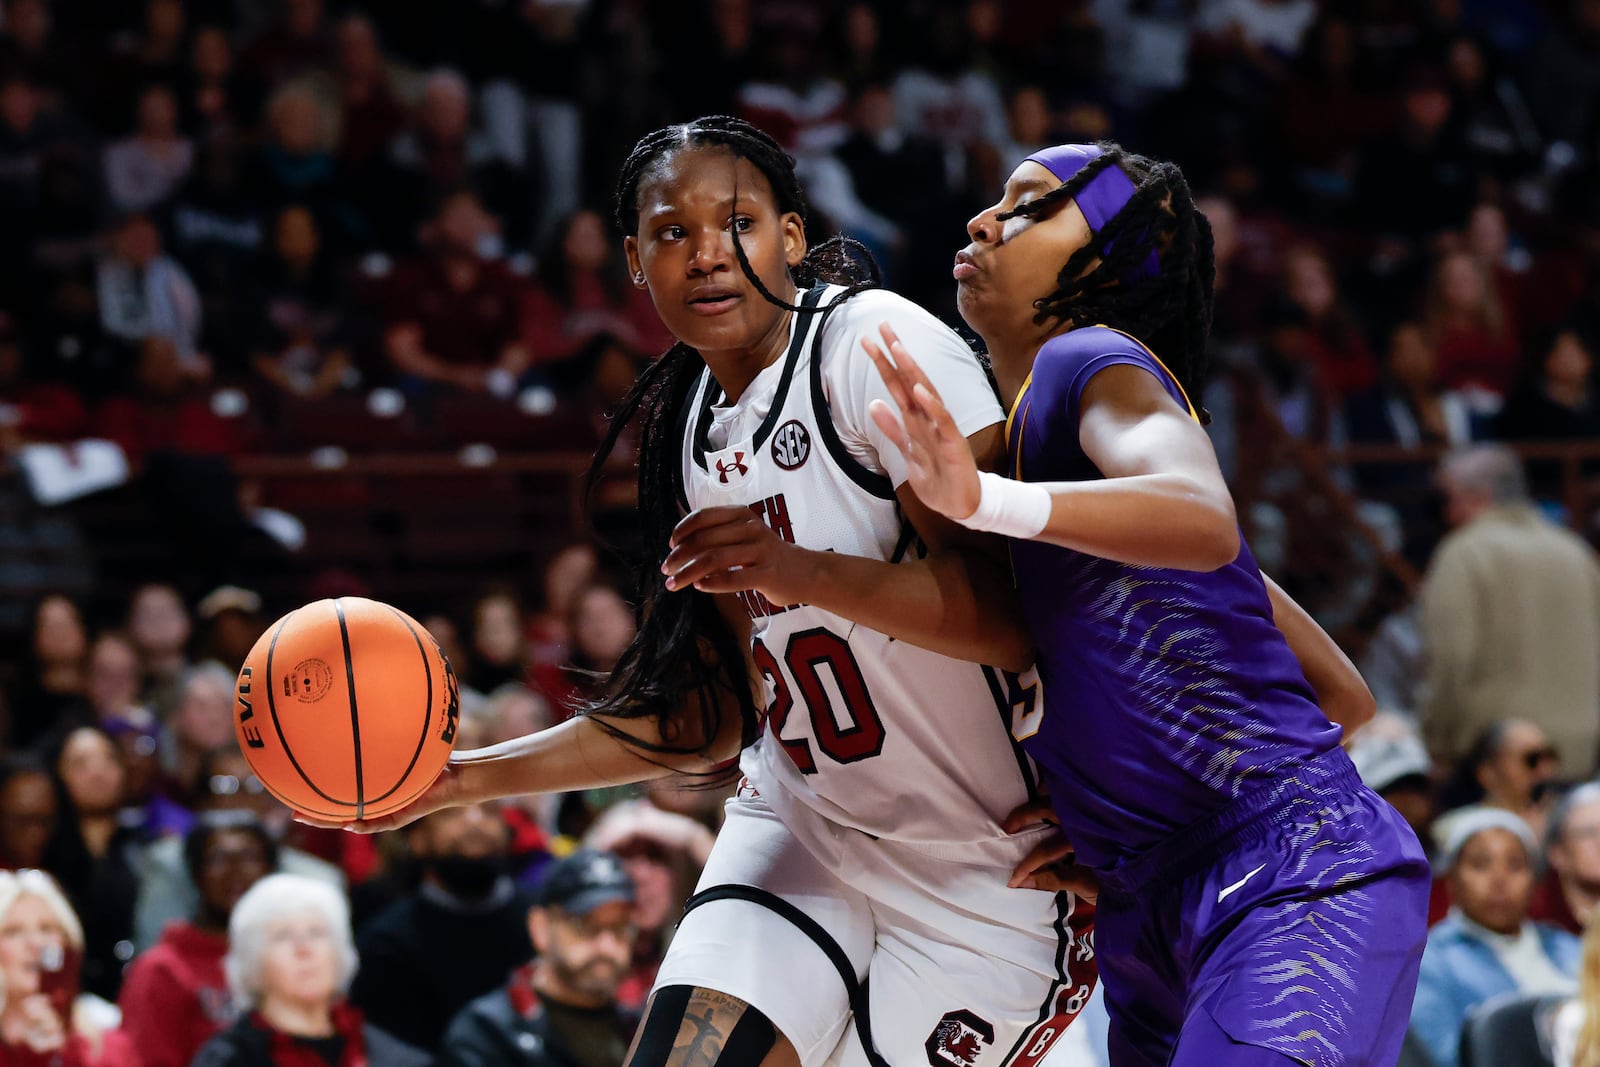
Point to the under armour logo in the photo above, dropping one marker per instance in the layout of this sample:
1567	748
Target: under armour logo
724	468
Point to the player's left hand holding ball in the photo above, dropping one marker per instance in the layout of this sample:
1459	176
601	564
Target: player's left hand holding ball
447	791
730	549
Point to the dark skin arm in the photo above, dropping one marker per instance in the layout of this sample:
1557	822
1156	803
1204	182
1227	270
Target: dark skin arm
958	601
575	755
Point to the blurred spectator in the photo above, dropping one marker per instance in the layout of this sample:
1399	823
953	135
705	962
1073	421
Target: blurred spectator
1487	945
167	894
175	996
562	1008
1407	406
1555	402
302	338
941	95
1327	109
441	154
1490	111
146	808
452	939
1570	889
878	155
453	314
198	724
145	294
115	683
149	54
233	623
27	134
499	651
1510	614
1511	766
582	310
146	168
289	963
159	625
45	1021
296	166
217	101
1337	344
1419	179
1471	329
1394	763
370	112
29	44
1563	77
163	415
96	858
568	572
664	854
29	811
602	626
53	685
296	43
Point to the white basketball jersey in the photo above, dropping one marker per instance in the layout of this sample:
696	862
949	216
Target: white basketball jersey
869	732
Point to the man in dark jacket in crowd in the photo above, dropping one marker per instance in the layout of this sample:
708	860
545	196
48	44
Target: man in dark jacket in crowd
561	1010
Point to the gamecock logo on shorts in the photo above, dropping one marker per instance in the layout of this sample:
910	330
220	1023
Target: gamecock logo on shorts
958	1040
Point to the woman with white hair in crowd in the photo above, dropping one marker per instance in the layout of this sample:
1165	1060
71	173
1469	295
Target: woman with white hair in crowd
44	1019
290	961
1487	945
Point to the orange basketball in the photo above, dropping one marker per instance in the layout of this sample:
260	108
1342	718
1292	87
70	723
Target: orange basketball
346	709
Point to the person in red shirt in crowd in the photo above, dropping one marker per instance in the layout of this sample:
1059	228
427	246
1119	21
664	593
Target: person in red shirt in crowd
581	314
165	413
1347	363
453	317
175	995
44	1020
1570	890
1471	328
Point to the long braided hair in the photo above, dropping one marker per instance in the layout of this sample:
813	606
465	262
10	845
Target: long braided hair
685	651
1171	312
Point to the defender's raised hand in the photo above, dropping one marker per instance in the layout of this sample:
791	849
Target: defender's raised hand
939	461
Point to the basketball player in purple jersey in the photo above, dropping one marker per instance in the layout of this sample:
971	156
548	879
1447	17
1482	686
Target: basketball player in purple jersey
1258	904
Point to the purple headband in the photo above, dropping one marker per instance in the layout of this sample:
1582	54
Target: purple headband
1105	195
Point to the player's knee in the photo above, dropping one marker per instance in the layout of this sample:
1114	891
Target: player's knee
690	1026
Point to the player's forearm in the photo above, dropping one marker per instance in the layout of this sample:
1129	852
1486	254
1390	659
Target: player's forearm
1341	691
958	602
1195	528
582	754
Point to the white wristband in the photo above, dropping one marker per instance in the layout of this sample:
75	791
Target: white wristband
1015	509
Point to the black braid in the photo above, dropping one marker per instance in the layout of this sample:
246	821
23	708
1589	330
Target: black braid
1170	312
684	648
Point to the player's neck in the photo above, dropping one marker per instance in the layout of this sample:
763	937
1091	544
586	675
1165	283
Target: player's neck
1012	358
735	368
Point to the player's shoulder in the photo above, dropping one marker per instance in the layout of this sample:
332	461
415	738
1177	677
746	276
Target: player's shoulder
861	312
1062	360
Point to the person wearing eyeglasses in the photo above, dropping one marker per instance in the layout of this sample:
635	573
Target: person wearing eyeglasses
175	995
1512	766
166	892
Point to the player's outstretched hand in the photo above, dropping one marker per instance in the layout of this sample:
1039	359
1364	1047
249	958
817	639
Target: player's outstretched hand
731	549
445	792
939	461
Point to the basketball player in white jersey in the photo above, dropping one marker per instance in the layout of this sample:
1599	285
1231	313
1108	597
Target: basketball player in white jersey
855	908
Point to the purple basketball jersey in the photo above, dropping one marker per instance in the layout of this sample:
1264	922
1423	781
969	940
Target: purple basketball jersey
1150	723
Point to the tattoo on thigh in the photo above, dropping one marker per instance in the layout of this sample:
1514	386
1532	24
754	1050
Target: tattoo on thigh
707	1021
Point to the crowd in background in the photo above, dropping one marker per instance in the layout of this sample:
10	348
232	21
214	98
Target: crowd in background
210	207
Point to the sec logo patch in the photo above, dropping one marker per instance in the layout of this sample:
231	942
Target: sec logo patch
791	445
